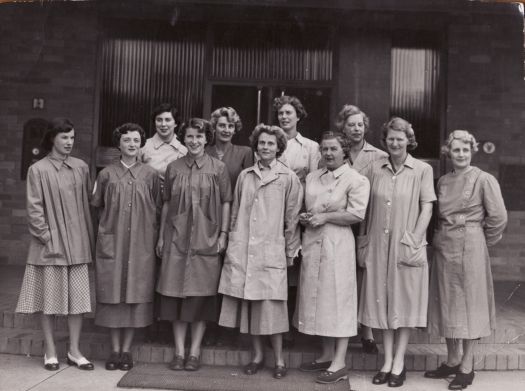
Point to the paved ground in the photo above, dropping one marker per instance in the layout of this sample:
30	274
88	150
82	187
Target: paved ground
19	373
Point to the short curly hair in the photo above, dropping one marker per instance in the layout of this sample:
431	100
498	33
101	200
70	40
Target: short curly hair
348	111
340	137
166	108
276	131
200	124
400	125
231	116
55	126
461	135
126	128
290	100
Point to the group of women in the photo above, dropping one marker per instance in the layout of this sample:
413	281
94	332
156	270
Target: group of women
229	222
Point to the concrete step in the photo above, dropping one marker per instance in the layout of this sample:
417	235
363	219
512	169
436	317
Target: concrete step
419	356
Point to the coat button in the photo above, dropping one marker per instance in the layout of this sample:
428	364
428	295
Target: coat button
129	204
130	182
388	203
386	231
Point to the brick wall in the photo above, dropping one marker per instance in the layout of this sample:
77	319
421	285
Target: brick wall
486	95
46	51
50	51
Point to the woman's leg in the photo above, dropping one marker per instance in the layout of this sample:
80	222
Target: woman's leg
115	339
388	345
129	333
366	332
277	345
328	346
402	337
258	353
49	339
197	332
179	335
74	322
339	361
453	351
467	362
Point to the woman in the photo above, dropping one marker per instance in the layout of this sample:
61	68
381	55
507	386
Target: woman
392	249
193	232
264	239
355	124
127	195
164	147
336	197
226	123
302	154
56	280
471	217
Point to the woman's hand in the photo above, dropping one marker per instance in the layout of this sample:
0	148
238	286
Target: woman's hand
160	247
317	220
304	218
222	242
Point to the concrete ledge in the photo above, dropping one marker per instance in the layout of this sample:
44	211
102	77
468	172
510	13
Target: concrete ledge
419	357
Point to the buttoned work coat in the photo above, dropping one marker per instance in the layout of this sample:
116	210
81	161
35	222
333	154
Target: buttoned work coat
395	281
264	232
129	201
471	217
327	300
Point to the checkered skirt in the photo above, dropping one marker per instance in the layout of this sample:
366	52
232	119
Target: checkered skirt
55	290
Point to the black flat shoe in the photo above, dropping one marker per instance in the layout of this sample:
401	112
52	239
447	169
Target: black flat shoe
113	361
329	377
461	381
193	363
314	366
81	363
442	372
51	363
177	364
369	346
126	361
252	367
381	377
397	380
279	371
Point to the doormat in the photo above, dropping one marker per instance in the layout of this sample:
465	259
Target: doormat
221	378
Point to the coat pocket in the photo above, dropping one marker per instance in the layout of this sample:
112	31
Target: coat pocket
52	248
275	254
205	242
105	246
412	253
363	242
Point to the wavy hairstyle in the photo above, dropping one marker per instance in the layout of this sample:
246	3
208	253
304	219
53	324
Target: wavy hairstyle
126	128
231	116
276	131
200	124
340	137
400	125
461	135
55	126
290	100
348	111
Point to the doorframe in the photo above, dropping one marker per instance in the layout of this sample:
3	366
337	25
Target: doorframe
209	83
